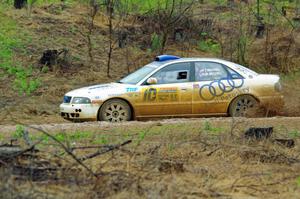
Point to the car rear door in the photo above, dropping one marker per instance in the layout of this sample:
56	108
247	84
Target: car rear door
172	95
214	87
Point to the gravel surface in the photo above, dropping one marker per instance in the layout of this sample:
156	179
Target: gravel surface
284	121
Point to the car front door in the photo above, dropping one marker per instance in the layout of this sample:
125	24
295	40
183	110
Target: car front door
171	95
214	87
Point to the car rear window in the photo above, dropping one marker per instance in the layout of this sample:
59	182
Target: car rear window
245	70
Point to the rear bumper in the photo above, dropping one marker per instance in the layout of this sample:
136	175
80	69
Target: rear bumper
81	112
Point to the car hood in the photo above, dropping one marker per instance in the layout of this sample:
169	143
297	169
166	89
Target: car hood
101	90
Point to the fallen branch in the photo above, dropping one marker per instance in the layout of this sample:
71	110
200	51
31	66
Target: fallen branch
213	151
90	147
65	148
10	144
110	148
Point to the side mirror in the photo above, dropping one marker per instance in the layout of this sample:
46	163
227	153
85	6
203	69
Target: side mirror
151	80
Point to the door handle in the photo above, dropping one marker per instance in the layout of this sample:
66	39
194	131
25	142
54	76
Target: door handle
184	89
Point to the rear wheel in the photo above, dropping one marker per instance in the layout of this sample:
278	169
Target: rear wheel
115	110
243	106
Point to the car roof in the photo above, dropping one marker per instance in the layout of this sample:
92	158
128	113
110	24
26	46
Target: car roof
194	59
241	69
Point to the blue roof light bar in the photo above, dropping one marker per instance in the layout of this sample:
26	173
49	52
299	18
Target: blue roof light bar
166	57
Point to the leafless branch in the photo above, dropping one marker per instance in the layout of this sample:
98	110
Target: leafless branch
110	148
65	148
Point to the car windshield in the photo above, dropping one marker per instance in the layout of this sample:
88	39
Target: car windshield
140	74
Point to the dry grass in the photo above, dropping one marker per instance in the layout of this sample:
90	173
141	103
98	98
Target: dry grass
199	159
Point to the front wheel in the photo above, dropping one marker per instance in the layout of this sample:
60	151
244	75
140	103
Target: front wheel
243	106
115	110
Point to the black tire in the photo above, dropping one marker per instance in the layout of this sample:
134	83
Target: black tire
242	106
115	110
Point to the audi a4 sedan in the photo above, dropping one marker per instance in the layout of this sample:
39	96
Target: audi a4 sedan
172	86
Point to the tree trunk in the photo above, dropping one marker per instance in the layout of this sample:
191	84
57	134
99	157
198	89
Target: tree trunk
164	41
110	26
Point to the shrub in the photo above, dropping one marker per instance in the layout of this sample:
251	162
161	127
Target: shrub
209	45
156	42
11	39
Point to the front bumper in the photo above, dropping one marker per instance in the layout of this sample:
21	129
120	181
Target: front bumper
82	112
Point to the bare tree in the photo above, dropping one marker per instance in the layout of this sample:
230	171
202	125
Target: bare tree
110	6
170	16
93	10
117	11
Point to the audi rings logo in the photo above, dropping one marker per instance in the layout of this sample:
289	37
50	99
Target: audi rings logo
219	87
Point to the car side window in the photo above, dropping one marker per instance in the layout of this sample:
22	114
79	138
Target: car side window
234	74
174	73
209	71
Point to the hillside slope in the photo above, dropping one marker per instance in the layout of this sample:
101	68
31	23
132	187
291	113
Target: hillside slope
51	27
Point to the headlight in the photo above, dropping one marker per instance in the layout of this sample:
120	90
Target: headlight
81	100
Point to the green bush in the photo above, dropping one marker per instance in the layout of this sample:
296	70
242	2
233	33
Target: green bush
103	139
298	181
208	127
45	69
294	134
209	45
11	39
156	42
18	132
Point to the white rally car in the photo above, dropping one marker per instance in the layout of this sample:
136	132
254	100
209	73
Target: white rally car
175	87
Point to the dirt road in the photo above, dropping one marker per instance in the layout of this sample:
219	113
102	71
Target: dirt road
287	123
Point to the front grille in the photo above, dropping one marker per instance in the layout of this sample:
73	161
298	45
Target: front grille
67	99
69	115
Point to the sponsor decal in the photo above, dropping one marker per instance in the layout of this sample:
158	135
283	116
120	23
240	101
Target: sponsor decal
113	95
231	95
196	86
128	90
132	94
167	97
207	72
96	101
167	90
218	88
161	94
